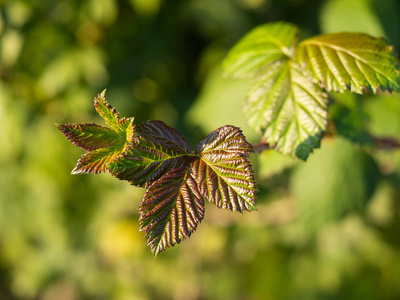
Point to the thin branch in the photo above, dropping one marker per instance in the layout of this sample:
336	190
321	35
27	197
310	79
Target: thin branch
385	143
261	146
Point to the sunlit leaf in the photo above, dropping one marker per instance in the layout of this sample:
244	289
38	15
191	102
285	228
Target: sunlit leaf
103	144
224	174
259	48
158	131
225	139
101	148
156	150
288	109
350	61
96	161
171	209
110	115
89	136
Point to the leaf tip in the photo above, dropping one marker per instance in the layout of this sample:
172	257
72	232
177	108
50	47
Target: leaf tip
253	208
100	97
77	170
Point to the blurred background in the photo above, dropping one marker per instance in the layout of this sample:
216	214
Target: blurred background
325	229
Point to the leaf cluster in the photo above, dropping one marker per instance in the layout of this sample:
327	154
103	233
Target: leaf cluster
178	179
287	101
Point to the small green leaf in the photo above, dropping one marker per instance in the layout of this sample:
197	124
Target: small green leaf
171	209
288	109
224	174
258	49
110	115
157	149
350	61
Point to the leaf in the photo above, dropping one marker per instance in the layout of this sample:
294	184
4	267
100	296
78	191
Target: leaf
103	144
350	61
157	149
110	115
88	136
224	175
288	109
225	139
258	49
171	209
158	131
102	149
95	162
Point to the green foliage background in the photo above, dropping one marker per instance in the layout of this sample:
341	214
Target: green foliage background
325	229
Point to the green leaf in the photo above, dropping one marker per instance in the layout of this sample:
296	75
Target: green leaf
110	115
157	149
171	209
224	175
350	61
258	49
288	109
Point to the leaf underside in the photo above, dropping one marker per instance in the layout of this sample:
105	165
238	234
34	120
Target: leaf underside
285	101
171	209
350	61
288	109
